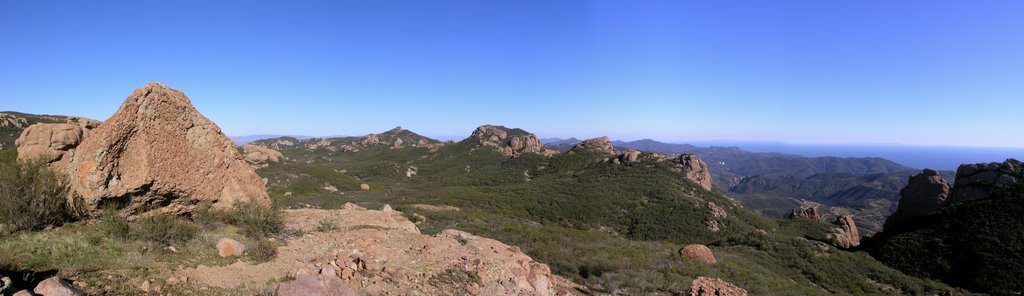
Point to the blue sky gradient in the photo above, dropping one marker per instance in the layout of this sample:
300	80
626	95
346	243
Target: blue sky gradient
948	73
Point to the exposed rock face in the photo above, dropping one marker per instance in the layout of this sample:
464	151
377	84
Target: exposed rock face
696	170
699	253
846	236
925	193
383	253
510	142
807	213
705	286
928	192
259	156
50	142
601	144
324	284
156	151
975	181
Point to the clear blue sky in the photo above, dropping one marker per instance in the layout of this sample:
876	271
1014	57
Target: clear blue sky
913	72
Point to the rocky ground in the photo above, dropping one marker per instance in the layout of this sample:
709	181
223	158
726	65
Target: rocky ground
383	253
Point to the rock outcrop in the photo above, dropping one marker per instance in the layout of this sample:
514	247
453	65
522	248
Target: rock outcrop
156	151
806	213
846	236
976	181
326	283
259	156
696	170
928	192
383	253
50	142
55	286
509	142
925	193
699	253
602	145
705	286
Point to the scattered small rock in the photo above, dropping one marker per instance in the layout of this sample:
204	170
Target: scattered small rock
364	187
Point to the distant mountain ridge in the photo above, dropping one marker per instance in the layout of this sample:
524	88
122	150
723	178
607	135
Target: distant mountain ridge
242	140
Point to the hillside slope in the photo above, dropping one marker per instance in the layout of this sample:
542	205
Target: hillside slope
614	227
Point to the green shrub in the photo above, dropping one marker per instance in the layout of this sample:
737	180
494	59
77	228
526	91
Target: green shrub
31	196
115	226
258	221
164	229
262	250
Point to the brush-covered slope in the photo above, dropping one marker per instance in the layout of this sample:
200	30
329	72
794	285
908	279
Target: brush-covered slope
612	227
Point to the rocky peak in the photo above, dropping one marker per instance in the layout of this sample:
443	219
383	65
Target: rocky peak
925	193
602	144
696	170
976	181
156	151
509	142
928	192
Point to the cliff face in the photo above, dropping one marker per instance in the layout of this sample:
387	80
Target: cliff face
156	151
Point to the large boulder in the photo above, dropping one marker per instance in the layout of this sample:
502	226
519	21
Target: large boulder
696	170
925	193
699	253
55	286
705	286
50	142
156	151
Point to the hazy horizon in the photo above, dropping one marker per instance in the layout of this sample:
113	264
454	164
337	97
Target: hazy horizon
923	73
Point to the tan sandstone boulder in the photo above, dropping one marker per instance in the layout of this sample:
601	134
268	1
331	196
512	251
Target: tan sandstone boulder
705	286
847	235
699	253
227	247
50	142
55	286
158	151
